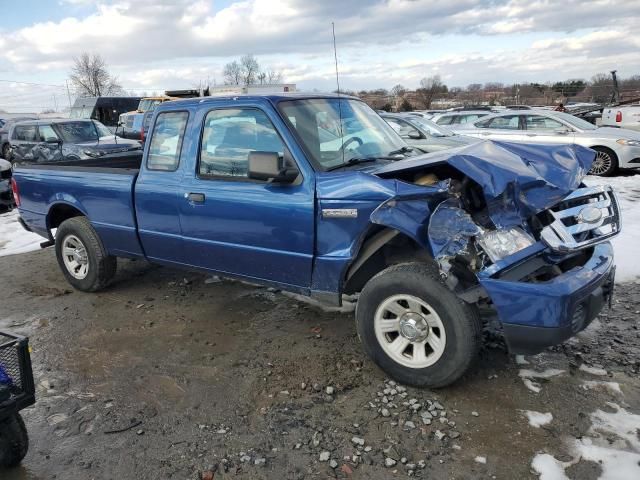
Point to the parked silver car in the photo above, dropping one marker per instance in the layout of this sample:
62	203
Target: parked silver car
459	117
615	147
424	134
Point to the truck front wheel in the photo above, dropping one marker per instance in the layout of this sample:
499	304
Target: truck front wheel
82	256
14	441
415	328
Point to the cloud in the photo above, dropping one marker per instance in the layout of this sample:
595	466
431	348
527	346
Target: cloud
173	43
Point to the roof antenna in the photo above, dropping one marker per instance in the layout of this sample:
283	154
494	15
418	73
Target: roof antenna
335	56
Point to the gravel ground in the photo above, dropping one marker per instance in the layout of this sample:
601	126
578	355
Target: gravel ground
169	375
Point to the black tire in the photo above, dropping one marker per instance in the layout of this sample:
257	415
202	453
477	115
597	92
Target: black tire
461	323
101	266
604	170
14	441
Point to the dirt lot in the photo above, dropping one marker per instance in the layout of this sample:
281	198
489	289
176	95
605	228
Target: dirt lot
243	382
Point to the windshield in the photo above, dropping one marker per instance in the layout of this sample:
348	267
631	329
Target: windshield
432	127
575	121
81	112
335	131
78	132
148	104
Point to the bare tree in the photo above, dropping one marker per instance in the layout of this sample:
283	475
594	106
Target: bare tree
250	69
274	77
247	71
232	73
398	91
429	87
90	78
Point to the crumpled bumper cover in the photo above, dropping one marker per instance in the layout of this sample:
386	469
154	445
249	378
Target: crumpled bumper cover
538	315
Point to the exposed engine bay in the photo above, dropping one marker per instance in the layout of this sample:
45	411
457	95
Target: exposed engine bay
520	215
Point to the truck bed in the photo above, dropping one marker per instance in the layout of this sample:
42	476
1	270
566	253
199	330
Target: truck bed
125	160
103	193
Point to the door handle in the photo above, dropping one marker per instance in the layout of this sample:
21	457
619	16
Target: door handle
532	134
195	197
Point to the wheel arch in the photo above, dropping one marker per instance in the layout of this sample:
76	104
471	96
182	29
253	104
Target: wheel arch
61	211
381	248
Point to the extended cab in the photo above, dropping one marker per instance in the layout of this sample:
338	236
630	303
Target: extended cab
316	194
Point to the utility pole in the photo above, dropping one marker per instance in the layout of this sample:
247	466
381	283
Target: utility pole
68	93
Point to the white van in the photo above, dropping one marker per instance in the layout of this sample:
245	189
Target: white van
623	117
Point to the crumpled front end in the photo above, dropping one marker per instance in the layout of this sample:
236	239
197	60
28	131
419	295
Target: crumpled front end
521	234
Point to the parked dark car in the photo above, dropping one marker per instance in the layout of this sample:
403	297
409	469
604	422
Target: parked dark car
39	141
5	126
6	197
106	110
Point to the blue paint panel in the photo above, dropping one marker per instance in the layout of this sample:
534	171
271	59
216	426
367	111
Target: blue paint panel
109	205
549	304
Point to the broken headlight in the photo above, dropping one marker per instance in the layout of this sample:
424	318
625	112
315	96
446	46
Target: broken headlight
498	244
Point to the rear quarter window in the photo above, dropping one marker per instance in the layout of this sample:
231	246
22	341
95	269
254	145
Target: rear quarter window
166	141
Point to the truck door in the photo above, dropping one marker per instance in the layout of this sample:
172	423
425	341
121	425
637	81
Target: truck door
231	223
158	190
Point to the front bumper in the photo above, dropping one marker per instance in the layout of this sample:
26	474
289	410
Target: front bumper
628	156
538	315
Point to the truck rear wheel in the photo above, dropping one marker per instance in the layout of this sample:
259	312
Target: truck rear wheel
415	328
14	441
82	257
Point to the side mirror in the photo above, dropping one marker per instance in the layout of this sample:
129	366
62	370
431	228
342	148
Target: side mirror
563	131
270	166
52	140
414	135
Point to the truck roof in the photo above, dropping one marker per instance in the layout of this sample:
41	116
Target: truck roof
273	97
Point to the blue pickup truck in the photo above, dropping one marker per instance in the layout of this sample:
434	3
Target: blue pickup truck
317	195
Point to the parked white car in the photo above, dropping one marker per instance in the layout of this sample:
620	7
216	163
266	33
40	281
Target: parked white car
623	117
615	147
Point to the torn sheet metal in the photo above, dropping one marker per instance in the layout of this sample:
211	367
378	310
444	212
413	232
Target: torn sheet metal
450	232
518	180
409	210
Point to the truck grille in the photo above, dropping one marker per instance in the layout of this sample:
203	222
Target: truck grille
588	216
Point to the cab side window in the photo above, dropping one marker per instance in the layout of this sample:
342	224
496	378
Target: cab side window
166	141
25	133
47	133
229	136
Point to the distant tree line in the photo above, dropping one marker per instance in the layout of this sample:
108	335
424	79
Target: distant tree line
432	90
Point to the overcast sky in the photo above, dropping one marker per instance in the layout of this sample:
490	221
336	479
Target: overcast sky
153	45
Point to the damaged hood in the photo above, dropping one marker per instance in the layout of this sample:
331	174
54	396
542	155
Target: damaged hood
518	180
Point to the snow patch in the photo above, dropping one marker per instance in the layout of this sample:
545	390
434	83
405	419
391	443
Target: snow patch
548	373
527	376
13	238
520	360
538	419
613	387
531	385
625	245
593	370
613	442
480	459
548	467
